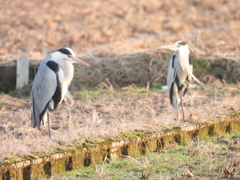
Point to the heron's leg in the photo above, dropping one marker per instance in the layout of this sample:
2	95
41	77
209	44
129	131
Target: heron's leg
181	97
177	113
45	118
49	128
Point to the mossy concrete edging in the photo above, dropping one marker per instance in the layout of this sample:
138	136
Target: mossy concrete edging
87	153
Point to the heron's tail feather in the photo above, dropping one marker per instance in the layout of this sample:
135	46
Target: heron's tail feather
198	81
174	95
34	121
33	124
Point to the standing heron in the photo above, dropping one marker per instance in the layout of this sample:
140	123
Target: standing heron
179	73
51	83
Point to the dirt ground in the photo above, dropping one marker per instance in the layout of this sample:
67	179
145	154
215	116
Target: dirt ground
35	28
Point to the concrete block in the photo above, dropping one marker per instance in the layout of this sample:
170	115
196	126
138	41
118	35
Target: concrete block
22	72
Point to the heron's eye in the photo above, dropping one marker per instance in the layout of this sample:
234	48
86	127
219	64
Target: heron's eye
69	57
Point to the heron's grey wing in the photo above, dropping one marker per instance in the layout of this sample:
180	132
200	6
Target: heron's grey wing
44	87
171	80
171	72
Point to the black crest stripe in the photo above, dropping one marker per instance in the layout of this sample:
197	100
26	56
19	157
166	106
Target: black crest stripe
64	51
173	59
57	94
171	93
182	43
53	66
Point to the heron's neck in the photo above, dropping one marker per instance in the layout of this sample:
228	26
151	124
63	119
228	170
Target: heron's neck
184	51
68	70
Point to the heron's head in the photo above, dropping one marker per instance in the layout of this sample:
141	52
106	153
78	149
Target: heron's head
176	46
67	54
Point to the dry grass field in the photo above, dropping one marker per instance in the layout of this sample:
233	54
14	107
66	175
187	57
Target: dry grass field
106	29
34	28
102	114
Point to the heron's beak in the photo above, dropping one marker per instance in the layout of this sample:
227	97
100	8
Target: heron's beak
171	47
76	60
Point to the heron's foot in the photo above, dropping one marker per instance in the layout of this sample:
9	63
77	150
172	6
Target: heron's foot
185	120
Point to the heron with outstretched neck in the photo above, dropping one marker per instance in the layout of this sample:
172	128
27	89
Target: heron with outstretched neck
51	83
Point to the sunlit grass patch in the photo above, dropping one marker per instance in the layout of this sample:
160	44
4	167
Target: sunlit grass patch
208	161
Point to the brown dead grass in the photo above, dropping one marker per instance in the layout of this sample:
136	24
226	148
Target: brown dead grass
118	27
108	114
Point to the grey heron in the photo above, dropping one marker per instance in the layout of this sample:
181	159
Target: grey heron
179	73
51	83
